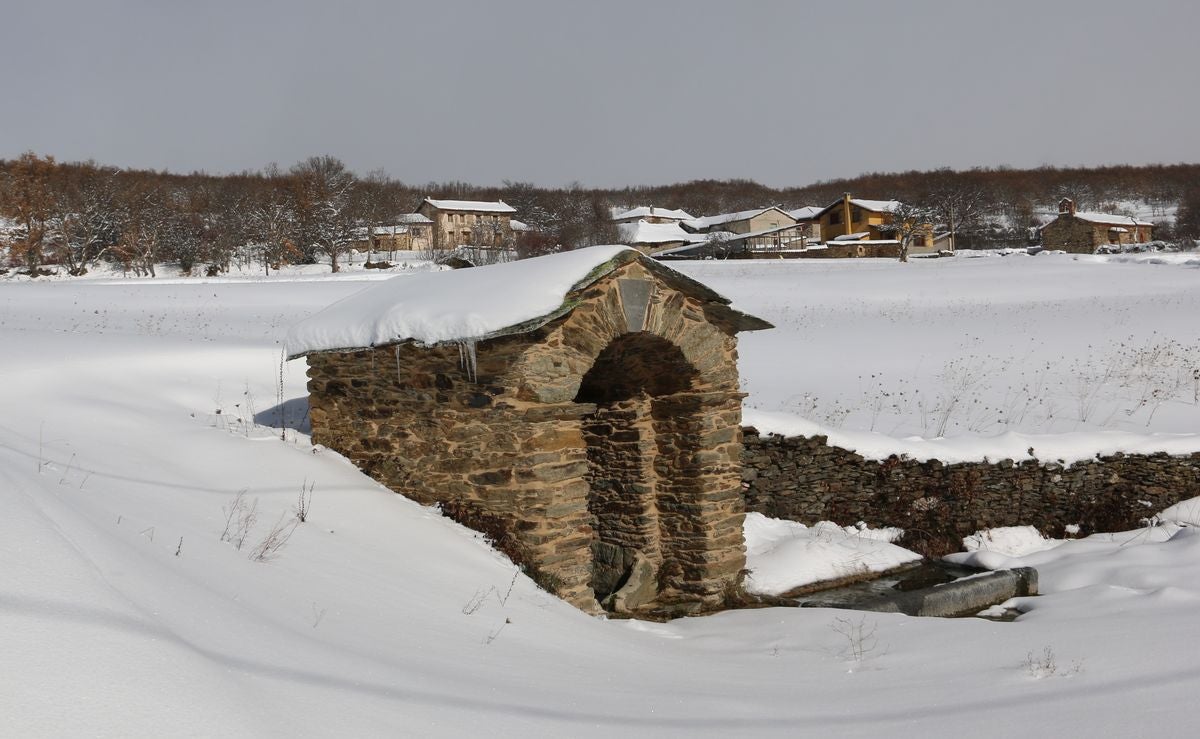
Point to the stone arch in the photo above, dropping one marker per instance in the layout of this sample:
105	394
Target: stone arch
499	431
660	423
639	501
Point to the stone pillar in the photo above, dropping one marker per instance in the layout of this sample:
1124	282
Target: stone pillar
698	469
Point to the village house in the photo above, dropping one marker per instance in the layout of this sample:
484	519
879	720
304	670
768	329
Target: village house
410	232
807	217
468	223
650	214
758	230
866	223
653	238
1081	232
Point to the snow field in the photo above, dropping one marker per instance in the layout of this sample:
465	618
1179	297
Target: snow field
122	612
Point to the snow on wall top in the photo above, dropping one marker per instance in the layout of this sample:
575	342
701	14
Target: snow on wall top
1069	448
447	306
484	206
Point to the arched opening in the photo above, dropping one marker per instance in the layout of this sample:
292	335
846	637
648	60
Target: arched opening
640	443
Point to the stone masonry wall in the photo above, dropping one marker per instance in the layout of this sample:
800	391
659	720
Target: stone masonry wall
503	442
806	480
1072	235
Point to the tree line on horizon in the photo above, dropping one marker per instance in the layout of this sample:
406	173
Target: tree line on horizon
75	214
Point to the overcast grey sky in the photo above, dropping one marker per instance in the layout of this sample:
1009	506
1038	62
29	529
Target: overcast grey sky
605	92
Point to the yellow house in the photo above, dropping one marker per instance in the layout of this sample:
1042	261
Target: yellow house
860	220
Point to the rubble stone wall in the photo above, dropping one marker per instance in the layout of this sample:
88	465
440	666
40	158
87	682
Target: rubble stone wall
805	479
503	442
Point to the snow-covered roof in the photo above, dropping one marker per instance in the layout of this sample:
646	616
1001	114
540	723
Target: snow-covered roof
642	232
476	304
878	206
649	211
709	221
413	218
361	232
856	236
1110	218
807	213
516	225
477	206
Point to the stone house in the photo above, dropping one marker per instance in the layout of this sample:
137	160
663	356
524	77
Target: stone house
650	214
1080	232
654	238
867	221
468	222
761	229
410	232
581	408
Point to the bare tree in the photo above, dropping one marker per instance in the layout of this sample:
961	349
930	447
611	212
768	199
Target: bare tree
958	205
27	195
908	222
143	218
322	199
89	226
271	220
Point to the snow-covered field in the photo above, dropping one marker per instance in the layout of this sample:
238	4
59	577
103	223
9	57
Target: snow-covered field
128	431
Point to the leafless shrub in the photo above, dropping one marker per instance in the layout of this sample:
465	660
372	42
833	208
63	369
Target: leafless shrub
861	641
304	501
240	517
477	600
275	540
1043	665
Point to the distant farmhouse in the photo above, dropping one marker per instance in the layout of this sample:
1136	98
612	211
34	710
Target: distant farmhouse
656	237
650	214
1079	232
864	224
849	227
755	231
468	222
410	232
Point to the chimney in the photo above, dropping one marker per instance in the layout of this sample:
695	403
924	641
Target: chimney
1066	206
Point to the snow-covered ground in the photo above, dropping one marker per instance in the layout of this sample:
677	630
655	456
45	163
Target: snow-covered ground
127	434
973	347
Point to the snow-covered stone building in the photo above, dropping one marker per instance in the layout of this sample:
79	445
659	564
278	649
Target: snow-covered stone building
410	232
581	408
1081	232
468	222
650	214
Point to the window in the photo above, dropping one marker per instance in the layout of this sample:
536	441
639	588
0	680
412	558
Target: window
835	217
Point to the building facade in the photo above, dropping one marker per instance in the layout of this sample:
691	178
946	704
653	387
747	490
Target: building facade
1080	232
479	223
